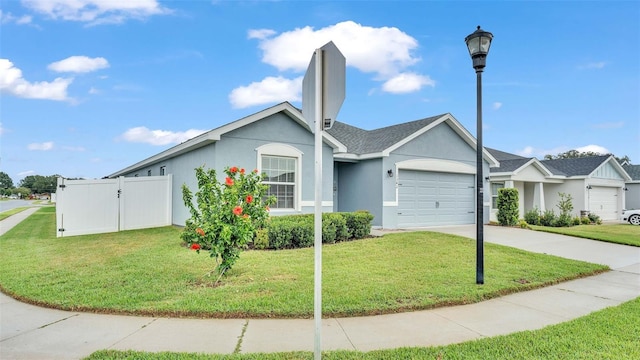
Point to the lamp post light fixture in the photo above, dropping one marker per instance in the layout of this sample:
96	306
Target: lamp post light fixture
478	44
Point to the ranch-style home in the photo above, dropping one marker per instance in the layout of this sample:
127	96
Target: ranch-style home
414	174
597	184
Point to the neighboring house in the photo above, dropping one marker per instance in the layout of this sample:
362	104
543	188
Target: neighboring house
420	173
632	197
596	183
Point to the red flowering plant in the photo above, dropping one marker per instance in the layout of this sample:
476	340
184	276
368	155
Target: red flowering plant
225	215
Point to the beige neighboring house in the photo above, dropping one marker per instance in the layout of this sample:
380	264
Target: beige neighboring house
596	184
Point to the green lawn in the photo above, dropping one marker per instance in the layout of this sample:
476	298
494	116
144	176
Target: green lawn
612	333
625	234
6	214
149	272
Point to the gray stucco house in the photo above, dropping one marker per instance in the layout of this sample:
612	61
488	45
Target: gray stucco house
632	198
414	174
596	184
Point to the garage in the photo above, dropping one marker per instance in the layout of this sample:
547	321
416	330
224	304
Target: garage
427	198
603	201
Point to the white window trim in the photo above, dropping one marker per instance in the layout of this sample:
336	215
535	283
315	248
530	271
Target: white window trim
496	195
284	150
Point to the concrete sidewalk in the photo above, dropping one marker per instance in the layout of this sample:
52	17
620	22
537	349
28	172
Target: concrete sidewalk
13	220
29	332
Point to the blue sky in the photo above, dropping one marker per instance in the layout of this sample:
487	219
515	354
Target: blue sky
89	87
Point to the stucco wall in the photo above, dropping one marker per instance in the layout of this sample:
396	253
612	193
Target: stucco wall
359	187
632	196
238	148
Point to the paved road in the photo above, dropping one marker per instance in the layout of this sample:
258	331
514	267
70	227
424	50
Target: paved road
12	204
29	332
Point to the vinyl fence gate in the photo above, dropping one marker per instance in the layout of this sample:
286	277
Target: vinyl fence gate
110	205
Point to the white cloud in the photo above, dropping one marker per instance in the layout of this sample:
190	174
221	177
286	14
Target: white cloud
260	34
79	64
26	173
3	130
94	91
95	12
45	146
270	89
142	134
384	50
592	65
12	82
406	83
496	105
608	125
594	148
6	18
74	148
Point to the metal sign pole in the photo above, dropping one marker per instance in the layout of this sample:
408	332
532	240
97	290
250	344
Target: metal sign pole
317	279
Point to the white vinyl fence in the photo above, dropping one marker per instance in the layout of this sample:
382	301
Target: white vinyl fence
110	205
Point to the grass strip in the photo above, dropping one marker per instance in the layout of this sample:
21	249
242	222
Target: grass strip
612	333
6	214
625	234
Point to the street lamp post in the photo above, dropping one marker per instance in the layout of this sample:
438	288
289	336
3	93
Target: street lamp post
478	44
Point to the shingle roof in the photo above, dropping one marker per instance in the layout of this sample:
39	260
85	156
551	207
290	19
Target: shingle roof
633	171
501	155
509	165
359	141
575	166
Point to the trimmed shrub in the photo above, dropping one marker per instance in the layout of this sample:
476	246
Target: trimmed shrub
576	221
508	206
358	223
297	231
532	217
261	241
585	220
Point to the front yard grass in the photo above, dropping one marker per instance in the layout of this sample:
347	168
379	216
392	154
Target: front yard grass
625	234
149	272
611	333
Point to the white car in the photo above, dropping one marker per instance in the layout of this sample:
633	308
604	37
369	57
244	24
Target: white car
632	216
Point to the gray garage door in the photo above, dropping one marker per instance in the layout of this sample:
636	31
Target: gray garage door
433	198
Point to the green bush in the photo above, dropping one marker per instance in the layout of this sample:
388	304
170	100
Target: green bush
297	231
358	223
532	217
261	241
548	218
563	220
523	224
280	234
595	219
508	210
585	220
576	221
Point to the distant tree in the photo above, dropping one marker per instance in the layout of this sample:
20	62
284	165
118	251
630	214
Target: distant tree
572	154
22	192
39	184
5	181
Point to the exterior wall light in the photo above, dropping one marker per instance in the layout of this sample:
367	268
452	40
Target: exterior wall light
390	172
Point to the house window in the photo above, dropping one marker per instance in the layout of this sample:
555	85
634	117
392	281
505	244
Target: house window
494	194
281	178
162	170
148	172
